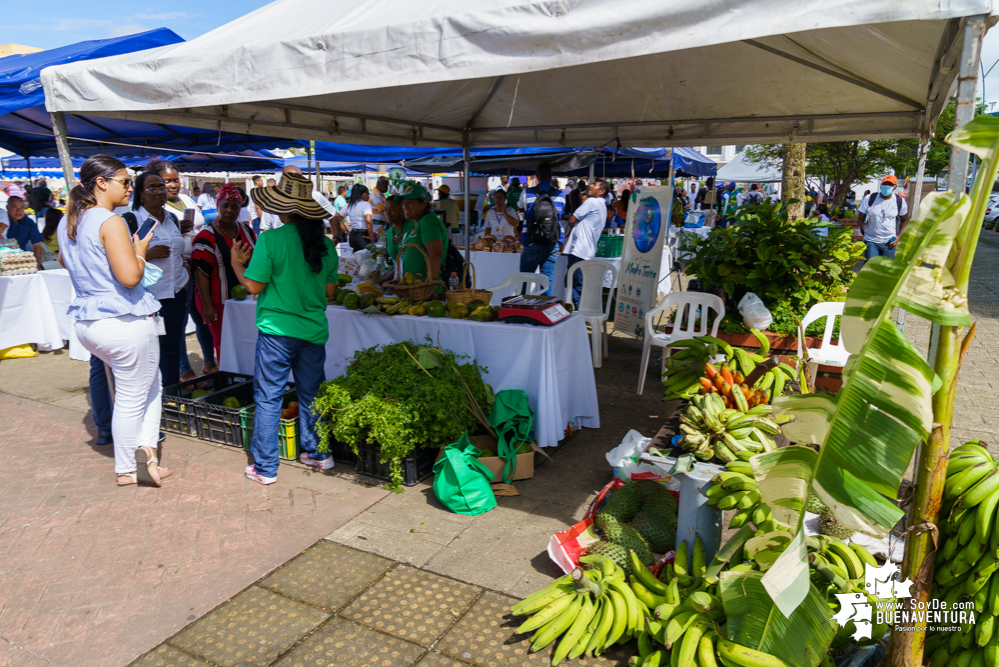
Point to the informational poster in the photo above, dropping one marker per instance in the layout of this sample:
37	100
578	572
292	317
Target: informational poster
646	231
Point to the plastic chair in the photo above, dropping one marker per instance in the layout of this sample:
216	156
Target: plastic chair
536	282
828	354
591	305
687	305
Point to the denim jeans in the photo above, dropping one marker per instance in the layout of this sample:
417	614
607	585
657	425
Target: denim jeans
275	357
100	400
174	314
201	331
577	280
876	249
540	256
256	226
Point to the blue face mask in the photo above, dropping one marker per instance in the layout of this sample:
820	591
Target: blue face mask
151	275
886	190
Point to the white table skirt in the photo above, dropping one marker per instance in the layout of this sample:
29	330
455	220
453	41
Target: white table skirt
552	364
26	312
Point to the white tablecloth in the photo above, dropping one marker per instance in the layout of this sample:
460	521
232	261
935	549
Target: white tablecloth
493	268
26	312
552	364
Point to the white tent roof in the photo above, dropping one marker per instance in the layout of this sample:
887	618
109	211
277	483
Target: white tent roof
741	171
545	72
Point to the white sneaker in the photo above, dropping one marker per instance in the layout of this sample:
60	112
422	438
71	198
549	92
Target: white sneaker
324	464
251	473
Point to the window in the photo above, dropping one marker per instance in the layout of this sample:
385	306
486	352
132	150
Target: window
714	150
738	148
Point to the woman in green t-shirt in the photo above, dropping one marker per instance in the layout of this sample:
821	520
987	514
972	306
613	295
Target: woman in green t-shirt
398	227
428	232
294	270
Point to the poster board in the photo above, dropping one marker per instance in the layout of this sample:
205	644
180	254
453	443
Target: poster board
646	231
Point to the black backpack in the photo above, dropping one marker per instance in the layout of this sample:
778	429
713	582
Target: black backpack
898	204
542	221
454	262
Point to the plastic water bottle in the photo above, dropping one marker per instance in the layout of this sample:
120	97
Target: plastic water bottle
453	281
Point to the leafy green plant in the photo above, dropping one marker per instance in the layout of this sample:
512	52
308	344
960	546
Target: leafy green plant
785	263
401	396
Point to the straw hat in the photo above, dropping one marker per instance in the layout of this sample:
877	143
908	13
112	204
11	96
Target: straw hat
292	194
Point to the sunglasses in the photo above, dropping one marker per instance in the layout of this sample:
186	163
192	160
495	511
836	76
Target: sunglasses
125	182
154	188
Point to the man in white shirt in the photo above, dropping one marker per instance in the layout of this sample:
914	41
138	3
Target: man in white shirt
879	216
585	226
269	220
256	213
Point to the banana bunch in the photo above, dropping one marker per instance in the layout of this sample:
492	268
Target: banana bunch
736	489
968	558
590	610
713	431
685	365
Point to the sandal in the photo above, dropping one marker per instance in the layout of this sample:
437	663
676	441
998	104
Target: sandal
145	466
164	472
132	479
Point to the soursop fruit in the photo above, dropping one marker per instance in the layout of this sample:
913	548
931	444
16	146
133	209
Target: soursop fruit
608	525
665	505
624	503
658	530
814	505
649	487
829	525
613	551
631	539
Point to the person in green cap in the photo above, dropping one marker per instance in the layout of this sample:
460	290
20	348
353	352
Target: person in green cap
428	233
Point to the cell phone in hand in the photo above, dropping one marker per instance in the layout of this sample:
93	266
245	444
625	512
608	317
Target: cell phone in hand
188	215
146	227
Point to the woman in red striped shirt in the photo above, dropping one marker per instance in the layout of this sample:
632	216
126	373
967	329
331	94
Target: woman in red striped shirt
212	260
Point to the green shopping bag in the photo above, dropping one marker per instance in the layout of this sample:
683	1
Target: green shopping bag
461	481
512	419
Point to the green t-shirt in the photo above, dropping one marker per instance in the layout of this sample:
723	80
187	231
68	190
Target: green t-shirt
393	239
428	228
294	301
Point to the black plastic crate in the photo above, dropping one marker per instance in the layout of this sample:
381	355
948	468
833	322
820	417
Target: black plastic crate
418	465
179	413
219	423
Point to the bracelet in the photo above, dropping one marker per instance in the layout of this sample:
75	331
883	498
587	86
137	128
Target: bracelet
142	258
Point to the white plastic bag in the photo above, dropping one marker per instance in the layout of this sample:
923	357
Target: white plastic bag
754	314
620	458
367	267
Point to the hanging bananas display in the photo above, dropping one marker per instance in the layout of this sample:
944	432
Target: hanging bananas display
968	558
714	432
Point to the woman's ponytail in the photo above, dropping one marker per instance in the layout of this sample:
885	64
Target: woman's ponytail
313	241
82	196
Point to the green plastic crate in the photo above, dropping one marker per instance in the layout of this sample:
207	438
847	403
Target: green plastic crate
610	246
288	446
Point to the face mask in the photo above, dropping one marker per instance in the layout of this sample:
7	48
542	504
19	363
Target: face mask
151	275
886	190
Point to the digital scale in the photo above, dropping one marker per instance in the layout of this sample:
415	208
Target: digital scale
546	310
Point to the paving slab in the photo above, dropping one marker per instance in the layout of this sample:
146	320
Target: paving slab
346	644
412	605
252	630
168	656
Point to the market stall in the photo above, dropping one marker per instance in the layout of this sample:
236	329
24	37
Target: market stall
552	364
27	314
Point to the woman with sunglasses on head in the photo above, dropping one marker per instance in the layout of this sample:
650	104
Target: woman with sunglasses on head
166	250
114	311
191	225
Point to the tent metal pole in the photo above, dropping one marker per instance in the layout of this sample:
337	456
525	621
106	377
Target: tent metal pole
27	161
924	149
62	144
593	172
466	185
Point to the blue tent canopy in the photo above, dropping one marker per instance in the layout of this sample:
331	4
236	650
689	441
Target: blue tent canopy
240	161
26	127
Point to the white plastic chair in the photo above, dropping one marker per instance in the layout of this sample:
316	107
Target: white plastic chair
828	354
591	305
536	283
687	305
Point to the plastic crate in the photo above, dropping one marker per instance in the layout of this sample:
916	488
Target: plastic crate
610	246
416	466
288	446
179	413
220	424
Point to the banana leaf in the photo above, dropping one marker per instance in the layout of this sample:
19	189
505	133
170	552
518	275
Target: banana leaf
753	620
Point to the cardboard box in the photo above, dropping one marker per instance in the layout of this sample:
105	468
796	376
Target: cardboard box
525	462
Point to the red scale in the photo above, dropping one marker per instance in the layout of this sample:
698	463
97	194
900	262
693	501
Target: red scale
546	310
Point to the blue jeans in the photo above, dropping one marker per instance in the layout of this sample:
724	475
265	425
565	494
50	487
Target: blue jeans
577	279
201	331
876	249
100	400
256	226
275	357
174	314
540	256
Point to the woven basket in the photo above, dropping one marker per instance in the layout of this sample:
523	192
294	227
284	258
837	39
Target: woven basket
418	291
467	296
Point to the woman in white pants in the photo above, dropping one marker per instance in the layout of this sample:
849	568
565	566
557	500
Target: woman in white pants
114	311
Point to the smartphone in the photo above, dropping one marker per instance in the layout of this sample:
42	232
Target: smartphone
188	215
145	228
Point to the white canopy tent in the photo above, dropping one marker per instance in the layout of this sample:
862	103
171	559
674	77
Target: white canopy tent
741	171
545	72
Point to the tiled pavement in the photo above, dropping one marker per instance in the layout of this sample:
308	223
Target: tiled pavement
93	574
334	605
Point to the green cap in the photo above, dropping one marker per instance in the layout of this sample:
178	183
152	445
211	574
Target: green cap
412	190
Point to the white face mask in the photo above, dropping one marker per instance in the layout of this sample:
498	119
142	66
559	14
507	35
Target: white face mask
151	275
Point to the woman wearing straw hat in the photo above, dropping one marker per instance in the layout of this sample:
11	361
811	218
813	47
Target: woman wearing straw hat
294	270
